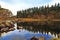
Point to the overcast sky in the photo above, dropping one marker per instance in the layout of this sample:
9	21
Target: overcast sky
15	5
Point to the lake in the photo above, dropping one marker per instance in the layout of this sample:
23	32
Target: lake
26	32
22	35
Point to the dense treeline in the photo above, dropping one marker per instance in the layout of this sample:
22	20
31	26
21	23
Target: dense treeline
41	12
44	12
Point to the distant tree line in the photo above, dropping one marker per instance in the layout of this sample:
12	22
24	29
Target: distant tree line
41	12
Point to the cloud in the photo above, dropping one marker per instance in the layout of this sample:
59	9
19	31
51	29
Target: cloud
57	1
15	5
6	5
53	2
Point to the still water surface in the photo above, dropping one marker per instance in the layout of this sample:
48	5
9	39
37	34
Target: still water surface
23	34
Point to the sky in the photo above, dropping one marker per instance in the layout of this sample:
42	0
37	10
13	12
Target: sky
16	5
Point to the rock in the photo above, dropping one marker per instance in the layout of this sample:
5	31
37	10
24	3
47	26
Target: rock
41	38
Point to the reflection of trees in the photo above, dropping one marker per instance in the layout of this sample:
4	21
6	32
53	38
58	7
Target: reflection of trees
2	33
6	26
36	26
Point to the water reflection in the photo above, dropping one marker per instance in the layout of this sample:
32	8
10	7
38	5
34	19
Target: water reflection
25	31
22	35
6	26
36	27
